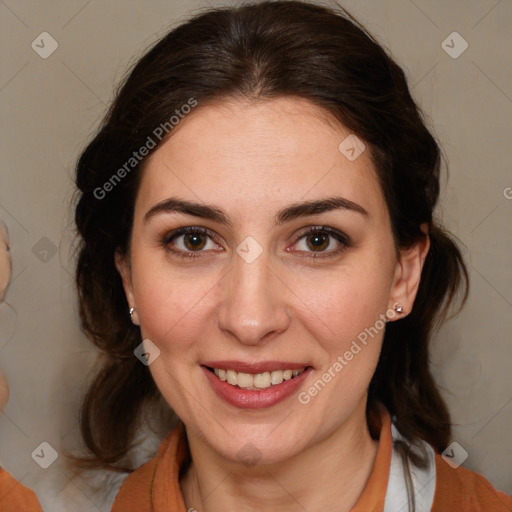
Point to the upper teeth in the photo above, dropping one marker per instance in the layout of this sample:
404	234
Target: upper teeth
258	381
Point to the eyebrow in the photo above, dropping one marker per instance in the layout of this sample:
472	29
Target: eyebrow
294	211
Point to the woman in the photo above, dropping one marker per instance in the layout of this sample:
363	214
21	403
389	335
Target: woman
259	248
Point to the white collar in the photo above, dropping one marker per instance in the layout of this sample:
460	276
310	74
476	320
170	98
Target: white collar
424	480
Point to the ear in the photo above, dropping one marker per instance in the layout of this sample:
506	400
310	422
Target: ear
122	263
408	273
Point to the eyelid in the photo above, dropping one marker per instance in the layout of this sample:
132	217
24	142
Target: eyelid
186	230
325	229
168	237
341	237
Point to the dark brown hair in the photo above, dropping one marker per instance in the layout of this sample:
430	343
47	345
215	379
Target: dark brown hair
263	50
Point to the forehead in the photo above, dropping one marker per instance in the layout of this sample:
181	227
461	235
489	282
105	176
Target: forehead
246	154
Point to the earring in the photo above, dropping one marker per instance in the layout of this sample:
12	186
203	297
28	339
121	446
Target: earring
134	319
399	308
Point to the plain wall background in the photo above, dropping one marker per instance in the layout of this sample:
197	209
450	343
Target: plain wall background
50	108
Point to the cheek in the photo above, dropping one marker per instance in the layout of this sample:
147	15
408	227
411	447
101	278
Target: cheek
345	318
351	320
346	303
170	305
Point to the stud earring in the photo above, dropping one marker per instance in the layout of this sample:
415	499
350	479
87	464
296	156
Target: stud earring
399	308
134	319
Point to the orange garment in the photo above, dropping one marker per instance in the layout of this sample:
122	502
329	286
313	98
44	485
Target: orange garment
155	487
15	497
465	491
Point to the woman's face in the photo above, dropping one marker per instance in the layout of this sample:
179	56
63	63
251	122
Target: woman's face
255	294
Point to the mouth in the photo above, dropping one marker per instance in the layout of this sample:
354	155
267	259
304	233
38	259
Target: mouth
259	385
255	381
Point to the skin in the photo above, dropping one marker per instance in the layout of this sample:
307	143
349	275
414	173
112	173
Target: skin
5	277
4	391
252	159
5	261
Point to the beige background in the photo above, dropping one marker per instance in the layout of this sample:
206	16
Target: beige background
50	107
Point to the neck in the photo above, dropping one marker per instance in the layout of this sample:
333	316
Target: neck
329	475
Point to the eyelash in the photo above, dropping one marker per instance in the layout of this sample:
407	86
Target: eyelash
339	236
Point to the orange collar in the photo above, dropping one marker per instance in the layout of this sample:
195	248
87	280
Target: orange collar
374	494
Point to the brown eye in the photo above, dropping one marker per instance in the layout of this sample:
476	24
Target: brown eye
194	241
189	242
317	241
322	241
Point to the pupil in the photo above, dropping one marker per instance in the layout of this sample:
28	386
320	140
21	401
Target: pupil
318	240
194	241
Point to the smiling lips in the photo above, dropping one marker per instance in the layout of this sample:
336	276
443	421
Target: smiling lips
256	381
255	376
255	385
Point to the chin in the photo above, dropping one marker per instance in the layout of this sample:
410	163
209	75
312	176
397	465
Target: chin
262	447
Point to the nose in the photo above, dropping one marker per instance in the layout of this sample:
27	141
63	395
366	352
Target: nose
254	304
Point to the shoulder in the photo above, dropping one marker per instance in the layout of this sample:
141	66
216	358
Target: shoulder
15	496
135	491
466	491
438	487
155	485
